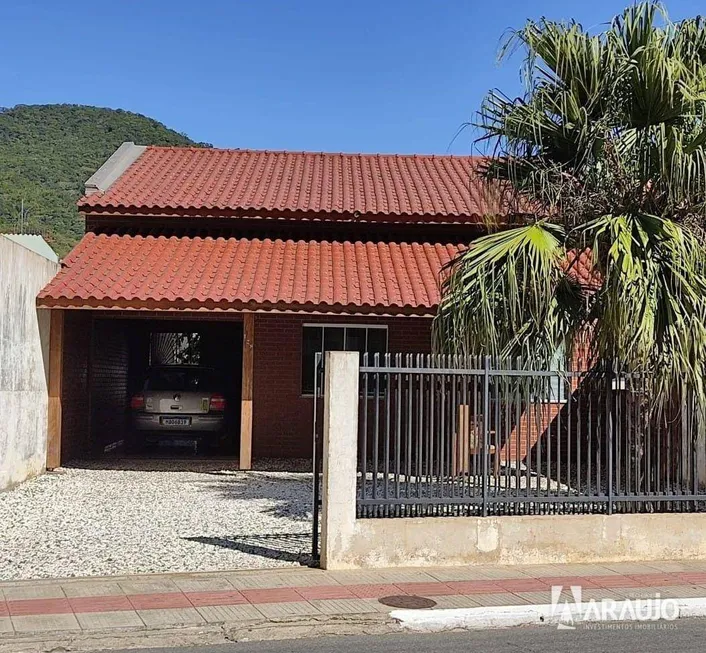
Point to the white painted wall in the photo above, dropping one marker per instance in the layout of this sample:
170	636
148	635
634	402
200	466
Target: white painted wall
24	360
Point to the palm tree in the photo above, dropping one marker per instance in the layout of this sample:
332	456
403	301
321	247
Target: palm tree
605	154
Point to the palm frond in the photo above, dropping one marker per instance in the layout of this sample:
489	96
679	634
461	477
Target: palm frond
608	145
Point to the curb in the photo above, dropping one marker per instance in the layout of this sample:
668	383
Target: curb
507	616
203	635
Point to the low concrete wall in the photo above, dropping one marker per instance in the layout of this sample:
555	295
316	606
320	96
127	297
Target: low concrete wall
24	356
441	541
350	543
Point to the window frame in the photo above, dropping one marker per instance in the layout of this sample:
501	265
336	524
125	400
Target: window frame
336	325
558	393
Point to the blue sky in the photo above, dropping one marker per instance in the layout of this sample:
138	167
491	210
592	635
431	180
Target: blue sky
334	75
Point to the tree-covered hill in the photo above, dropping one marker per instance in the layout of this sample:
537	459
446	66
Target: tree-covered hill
48	151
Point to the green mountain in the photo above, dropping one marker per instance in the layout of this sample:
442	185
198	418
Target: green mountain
48	151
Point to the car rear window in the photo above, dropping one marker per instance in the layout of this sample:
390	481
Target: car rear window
183	380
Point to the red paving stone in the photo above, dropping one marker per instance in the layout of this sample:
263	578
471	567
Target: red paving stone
157	601
474	587
274	595
100	603
26	607
325	592
567	581
427	589
614	581
374	591
522	584
697	578
202	599
658	579
4	610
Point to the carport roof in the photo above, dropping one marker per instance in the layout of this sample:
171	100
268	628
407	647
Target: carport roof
159	272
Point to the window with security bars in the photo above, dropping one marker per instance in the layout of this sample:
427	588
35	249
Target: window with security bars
320	338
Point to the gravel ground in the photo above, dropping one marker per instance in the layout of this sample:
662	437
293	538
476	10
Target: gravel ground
94	519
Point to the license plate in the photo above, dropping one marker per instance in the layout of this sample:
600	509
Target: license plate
175	421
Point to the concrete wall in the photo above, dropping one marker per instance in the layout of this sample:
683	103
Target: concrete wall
24	358
350	543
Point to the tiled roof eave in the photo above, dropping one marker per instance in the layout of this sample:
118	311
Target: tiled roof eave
123	304
238	274
272	214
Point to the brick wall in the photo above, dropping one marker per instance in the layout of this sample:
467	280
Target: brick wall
108	384
75	435
539	421
282	418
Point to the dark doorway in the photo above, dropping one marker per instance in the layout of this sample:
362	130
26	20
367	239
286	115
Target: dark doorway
122	353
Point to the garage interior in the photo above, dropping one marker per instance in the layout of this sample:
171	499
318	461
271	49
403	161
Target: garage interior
109	357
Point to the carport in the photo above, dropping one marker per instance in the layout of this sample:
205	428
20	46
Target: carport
260	310
102	358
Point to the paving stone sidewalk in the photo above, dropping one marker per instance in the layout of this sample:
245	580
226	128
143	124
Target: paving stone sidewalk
179	600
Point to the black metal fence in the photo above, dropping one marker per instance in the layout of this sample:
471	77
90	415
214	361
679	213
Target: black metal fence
443	435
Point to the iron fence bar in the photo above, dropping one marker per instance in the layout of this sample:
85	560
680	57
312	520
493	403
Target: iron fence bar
398	429
432	421
485	447
386	445
418	438
560	409
518	433
408	445
579	441
364	451
528	437
609	473
638	498
376	426
569	396
440	369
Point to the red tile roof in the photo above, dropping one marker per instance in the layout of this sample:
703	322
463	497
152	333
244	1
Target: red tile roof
158	272
579	266
312	185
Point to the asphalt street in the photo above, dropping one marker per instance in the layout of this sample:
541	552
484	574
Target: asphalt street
682	636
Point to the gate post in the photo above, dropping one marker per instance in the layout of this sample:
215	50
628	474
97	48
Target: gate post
245	458
340	454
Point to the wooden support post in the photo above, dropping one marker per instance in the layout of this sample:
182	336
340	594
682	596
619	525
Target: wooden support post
247	392
56	372
462	442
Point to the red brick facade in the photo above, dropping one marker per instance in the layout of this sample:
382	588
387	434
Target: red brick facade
75	429
282	417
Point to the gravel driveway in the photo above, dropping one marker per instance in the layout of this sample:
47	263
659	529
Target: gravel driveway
153	516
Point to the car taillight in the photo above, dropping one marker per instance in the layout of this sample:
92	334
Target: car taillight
217	403
137	402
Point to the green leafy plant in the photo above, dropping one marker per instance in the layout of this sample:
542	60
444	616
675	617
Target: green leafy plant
605	156
46	154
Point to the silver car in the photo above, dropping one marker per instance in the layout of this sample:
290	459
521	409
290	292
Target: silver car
182	398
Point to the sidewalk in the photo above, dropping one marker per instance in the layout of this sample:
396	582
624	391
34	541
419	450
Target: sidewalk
243	604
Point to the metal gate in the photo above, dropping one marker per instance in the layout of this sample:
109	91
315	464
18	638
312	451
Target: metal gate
317	457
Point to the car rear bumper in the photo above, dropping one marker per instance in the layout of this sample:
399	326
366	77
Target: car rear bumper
197	423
